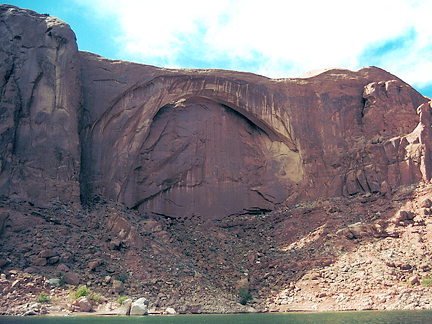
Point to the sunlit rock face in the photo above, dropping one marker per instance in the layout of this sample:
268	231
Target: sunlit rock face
195	143
214	143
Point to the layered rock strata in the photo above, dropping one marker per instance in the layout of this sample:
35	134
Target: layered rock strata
195	143
213	143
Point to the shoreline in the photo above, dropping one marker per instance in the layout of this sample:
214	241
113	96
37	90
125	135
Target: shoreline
96	314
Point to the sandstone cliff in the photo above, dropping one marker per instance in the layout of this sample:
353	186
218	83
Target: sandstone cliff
40	98
201	143
199	183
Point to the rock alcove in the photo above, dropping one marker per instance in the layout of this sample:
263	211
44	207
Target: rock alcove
203	158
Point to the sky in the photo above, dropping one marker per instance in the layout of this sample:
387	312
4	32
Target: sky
274	38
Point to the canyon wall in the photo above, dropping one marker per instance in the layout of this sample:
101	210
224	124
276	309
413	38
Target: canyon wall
40	98
195	143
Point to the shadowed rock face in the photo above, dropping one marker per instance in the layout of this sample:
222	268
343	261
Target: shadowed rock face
204	143
194	145
203	158
40	101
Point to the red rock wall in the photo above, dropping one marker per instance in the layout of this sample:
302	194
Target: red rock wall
212	143
202	143
347	130
40	105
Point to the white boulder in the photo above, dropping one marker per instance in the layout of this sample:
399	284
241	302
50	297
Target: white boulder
139	307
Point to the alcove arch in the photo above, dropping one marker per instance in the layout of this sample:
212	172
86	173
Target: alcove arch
126	124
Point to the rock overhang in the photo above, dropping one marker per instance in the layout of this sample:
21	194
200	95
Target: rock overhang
320	136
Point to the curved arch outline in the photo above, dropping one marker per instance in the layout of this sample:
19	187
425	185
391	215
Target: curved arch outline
131	114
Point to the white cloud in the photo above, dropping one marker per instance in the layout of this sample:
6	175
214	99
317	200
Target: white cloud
288	37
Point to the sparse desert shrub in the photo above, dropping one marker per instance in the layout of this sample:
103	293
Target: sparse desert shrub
426	282
81	291
62	279
244	295
276	288
95	298
121	299
43	297
123	277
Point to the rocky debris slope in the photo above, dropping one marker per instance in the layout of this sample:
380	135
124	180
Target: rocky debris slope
383	264
362	252
101	249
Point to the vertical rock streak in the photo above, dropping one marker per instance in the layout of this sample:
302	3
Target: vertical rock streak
195	141
42	55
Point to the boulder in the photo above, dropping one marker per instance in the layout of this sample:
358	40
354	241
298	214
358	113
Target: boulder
403	266
47	254
33	309
170	311
119	226
94	264
150	226
139	307
62	268
414	280
66	257
53	260
84	304
426	203
118	286
71	278
404	215
125	307
54	282
115	244
39	262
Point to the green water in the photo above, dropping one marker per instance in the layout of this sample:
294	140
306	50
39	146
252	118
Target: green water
393	317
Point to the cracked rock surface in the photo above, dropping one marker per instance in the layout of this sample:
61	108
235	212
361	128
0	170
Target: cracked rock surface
40	97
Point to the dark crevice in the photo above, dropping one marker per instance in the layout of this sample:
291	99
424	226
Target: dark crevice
363	105
256	211
35	83
17	113
142	201
9	74
262	196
